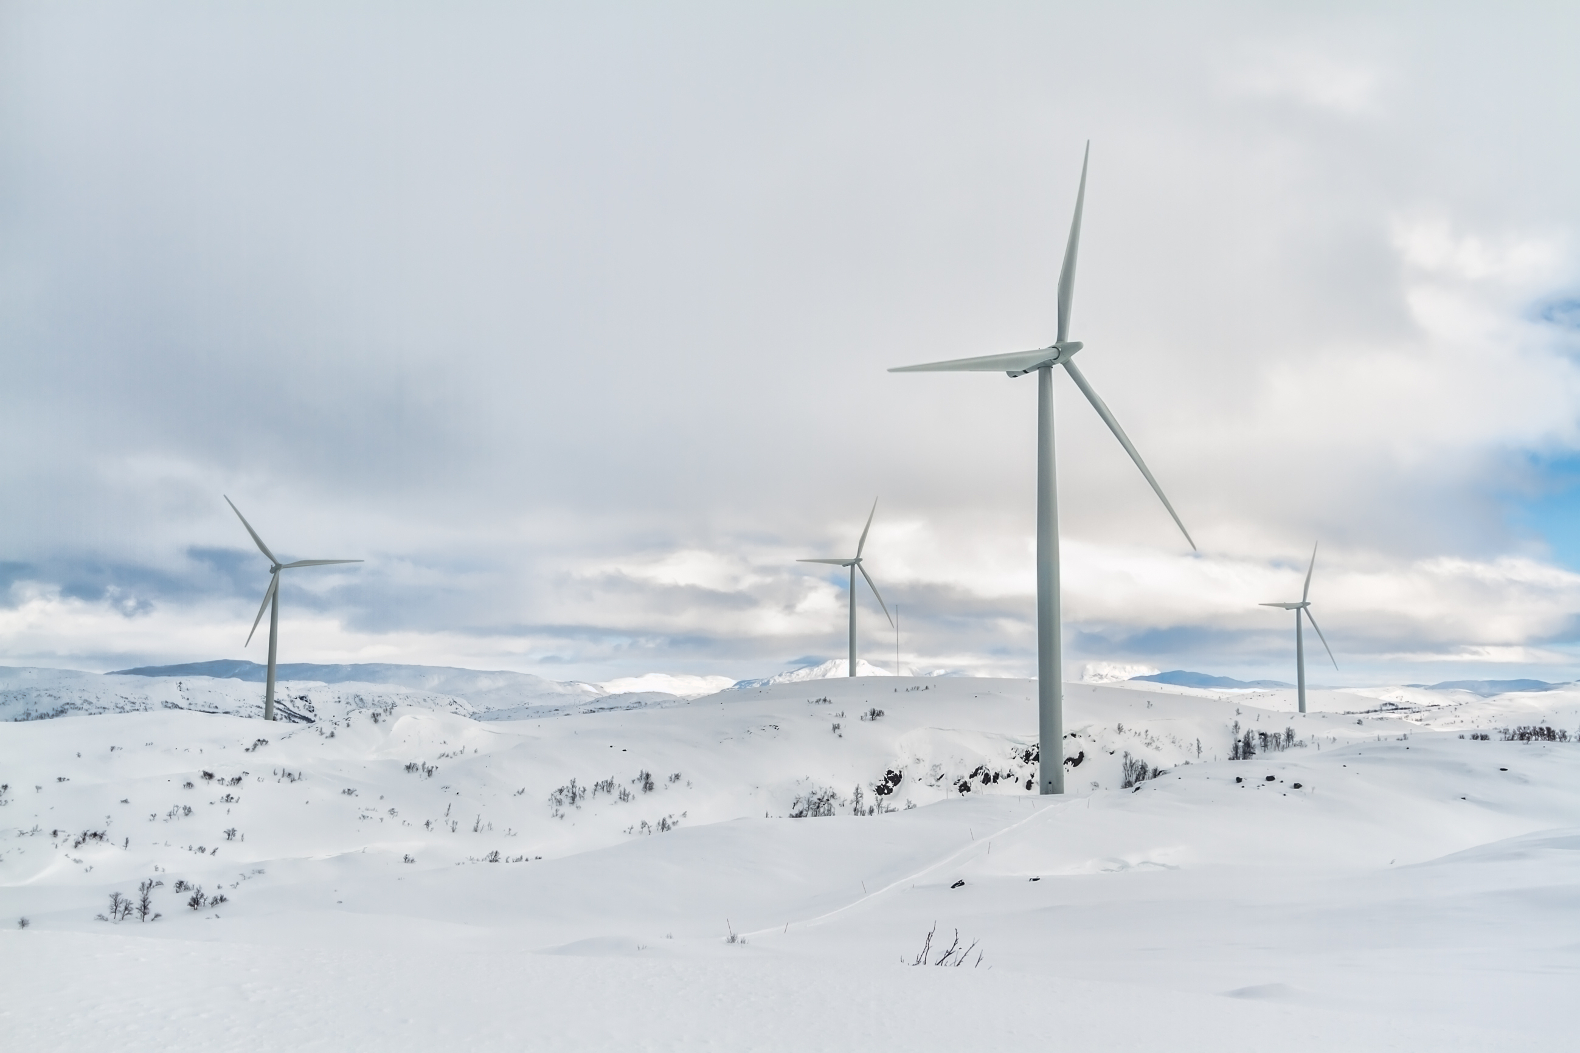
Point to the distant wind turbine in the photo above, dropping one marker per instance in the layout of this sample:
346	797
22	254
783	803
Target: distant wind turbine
271	600
1304	607
854	563
1050	722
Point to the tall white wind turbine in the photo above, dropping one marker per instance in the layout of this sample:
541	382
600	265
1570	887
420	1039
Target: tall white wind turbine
271	600
854	563
1050	713
1303	607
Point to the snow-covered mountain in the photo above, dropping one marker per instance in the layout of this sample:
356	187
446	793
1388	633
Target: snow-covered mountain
834	667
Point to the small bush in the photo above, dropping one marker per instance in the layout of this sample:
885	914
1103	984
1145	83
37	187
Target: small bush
1135	772
120	908
1533	733
814	803
568	796
145	900
952	957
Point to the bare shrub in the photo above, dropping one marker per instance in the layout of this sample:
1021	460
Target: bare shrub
120	909
145	900
1532	733
1135	772
952	957
818	801
569	795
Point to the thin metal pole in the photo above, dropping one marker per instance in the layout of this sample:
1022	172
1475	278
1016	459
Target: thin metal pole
896	639
1050	715
853	619
1300	658
274	637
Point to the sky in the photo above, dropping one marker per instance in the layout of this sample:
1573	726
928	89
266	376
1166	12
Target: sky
573	322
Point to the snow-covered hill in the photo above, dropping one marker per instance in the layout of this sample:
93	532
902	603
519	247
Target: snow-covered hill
834	667
402	876
309	692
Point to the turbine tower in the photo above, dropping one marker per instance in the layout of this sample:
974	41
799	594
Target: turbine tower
854	563
271	600
1050	715
1304	607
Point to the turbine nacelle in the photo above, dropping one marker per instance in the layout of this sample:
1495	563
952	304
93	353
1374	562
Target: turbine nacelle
1061	353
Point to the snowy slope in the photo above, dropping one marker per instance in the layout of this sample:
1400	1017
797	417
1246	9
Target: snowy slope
488	691
39	694
33	694
822	671
1387	884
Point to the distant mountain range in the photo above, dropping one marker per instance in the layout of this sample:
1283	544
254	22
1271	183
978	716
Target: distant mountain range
1488	688
497	691
1185	678
1484	688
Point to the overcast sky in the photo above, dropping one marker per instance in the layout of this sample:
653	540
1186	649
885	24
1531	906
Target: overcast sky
573	322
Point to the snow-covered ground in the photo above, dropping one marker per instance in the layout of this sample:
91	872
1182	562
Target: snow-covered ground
399	875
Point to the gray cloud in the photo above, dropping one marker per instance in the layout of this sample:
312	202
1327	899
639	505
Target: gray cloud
520	304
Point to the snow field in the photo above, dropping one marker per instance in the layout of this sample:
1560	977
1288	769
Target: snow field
1412	892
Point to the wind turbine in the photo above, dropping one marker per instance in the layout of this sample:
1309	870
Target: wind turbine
854	563
1050	715
271	600
1304	607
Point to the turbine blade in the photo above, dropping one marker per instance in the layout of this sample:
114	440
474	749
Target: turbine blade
274	583
258	540
1305	593
863	542
316	563
1119	433
830	562
1324	639
1280	606
874	589
1013	362
1067	272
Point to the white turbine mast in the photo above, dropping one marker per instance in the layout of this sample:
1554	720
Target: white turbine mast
1050	713
271	600
854	563
1303	607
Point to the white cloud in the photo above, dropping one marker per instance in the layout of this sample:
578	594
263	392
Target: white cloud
583	354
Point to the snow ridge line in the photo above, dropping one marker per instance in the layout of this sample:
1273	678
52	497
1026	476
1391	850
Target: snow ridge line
912	878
